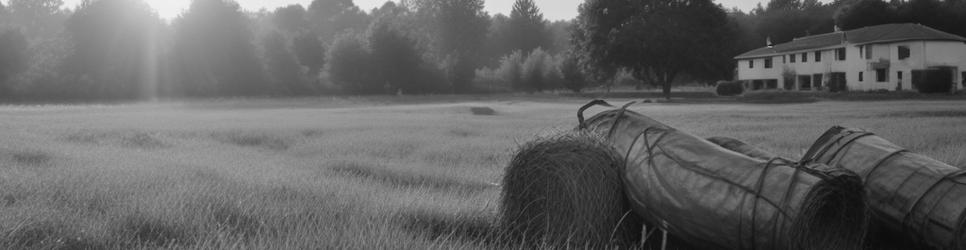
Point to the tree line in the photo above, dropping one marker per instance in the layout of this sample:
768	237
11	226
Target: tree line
121	49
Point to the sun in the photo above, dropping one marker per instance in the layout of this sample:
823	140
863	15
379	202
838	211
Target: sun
168	9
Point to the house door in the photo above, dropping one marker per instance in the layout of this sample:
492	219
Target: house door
817	81
836	82
804	82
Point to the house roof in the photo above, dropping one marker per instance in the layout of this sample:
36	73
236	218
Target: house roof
896	32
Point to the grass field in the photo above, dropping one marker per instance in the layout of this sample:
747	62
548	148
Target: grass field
362	173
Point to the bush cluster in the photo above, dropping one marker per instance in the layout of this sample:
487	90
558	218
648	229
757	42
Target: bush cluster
730	88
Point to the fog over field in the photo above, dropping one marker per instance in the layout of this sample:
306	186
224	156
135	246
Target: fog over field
360	173
342	124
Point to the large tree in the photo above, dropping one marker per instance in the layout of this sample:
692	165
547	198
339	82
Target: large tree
865	13
785	20
329	18
527	28
215	52
290	18
396	60
457	30
657	40
281	65
310	52
115	47
39	18
348	65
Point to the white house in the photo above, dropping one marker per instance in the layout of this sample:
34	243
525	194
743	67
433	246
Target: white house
890	56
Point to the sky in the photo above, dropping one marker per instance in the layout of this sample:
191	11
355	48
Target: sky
552	9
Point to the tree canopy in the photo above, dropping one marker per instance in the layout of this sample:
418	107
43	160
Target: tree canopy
656	39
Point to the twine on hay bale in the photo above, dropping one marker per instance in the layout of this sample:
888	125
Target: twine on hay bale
741	147
566	190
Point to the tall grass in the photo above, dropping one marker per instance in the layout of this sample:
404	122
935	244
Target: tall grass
359	174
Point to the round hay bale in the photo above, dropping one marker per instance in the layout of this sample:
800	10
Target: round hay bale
834	215
741	147
567	191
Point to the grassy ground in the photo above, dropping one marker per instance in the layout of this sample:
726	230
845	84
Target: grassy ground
370	173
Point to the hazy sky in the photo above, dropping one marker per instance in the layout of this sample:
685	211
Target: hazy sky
552	9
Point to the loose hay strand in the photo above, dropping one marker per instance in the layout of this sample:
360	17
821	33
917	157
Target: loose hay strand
567	190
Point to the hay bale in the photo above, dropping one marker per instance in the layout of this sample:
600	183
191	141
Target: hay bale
712	198
741	147
834	214
566	191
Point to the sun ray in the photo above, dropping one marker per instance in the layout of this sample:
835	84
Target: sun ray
168	9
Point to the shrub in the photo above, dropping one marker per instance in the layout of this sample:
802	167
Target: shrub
732	88
511	68
535	70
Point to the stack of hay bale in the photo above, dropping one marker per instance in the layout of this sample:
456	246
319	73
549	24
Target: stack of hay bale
622	175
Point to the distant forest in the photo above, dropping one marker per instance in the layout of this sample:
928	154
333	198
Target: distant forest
122	50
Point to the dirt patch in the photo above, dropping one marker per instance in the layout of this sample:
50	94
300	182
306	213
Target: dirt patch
31	157
312	133
253	139
459	132
129	139
408	180
482	111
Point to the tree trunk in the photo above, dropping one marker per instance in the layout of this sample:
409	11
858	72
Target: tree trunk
667	79
666	89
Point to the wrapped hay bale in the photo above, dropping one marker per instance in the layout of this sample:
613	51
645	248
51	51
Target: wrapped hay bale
566	191
713	198
742	148
915	199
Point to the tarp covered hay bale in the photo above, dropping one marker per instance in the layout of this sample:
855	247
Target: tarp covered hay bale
910	194
566	191
742	147
715	198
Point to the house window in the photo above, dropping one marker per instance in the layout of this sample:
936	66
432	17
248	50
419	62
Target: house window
903	52
860	76
881	75
804	57
751	64
840	54
818	56
868	52
899	75
767	63
791	58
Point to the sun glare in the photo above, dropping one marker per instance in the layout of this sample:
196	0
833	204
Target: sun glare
168	9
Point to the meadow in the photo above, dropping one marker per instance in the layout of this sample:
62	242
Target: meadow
346	173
